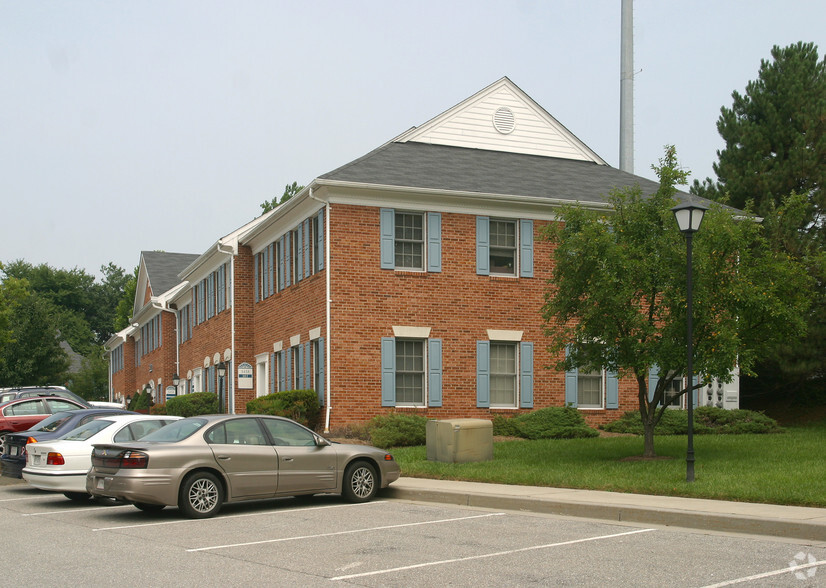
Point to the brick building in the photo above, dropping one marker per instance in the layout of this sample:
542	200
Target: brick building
409	279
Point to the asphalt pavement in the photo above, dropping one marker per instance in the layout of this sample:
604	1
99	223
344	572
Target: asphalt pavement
787	522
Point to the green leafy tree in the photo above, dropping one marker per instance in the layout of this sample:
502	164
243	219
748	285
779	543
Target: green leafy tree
775	147
617	298
290	190
123	310
92	381
33	356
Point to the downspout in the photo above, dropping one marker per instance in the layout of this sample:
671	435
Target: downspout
328	305
177	341
231	387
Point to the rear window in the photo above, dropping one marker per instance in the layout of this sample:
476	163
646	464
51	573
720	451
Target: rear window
177	431
83	432
52	423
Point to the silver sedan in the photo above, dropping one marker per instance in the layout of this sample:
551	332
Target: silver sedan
200	463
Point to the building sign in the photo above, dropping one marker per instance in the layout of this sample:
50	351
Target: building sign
245	376
171	392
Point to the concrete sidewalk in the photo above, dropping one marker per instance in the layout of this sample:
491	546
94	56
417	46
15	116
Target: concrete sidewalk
788	522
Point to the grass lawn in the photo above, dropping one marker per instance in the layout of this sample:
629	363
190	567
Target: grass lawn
788	468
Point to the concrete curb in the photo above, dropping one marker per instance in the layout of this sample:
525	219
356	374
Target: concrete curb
808	524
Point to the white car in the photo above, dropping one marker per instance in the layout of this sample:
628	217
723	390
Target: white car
61	465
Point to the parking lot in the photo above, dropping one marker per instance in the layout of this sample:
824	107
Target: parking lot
326	541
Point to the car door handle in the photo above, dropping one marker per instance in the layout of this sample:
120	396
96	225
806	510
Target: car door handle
224	457
288	459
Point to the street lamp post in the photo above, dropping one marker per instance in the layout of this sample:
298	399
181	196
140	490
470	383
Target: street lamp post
222	370
689	216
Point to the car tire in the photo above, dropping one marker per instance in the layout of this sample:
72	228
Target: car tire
201	495
148	507
3	441
78	496
361	482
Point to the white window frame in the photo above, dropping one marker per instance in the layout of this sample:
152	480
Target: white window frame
423	403
602	378
422	242
198	380
491	246
517	392
262	375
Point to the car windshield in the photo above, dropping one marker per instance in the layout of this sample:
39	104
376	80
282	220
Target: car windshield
83	432
177	431
52	423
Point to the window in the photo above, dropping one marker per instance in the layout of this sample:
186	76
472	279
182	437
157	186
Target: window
504	374
198	380
411	372
589	389
672	391
185	323
503	389
287	433
504	247
409	246
411	240
117	358
237	432
261	384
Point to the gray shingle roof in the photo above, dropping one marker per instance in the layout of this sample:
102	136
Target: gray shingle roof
441	167
163	268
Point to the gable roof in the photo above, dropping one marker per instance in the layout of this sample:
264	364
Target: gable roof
501	117
162	269
440	167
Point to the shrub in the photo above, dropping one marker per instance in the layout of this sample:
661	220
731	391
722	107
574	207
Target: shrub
188	405
555	422
300	405
504	427
141	401
397	430
159	408
707	420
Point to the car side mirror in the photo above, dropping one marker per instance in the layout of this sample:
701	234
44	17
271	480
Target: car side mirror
321	441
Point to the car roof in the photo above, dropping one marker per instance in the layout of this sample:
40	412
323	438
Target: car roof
39	397
128	418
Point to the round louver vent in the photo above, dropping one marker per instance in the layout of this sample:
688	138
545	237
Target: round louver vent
503	120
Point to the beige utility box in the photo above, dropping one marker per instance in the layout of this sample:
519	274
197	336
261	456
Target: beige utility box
459	440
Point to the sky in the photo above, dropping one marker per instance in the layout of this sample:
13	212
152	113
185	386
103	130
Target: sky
164	124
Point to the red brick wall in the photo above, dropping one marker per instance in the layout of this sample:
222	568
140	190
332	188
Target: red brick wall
457	304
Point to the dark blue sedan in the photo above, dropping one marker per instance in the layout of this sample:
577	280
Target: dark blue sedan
13	458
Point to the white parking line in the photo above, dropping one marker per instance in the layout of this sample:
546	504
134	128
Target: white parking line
365	530
497	554
68	510
780	572
255	514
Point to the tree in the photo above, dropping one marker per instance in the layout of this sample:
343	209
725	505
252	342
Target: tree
290	190
92	381
123	310
617	298
775	136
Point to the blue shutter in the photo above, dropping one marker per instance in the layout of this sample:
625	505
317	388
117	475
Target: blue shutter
255	275
222	283
526	375
271	269
308	367
434	242
320	370
288	368
388	371
571	383
387	221
653	378
299	253
281	264
272	373
612	390
320	237
434	372
287	261
482	245
483	374
299	366
307	256
695	393
526	248
282	372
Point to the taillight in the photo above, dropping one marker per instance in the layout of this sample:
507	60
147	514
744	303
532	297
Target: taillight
55	459
31	440
134	460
